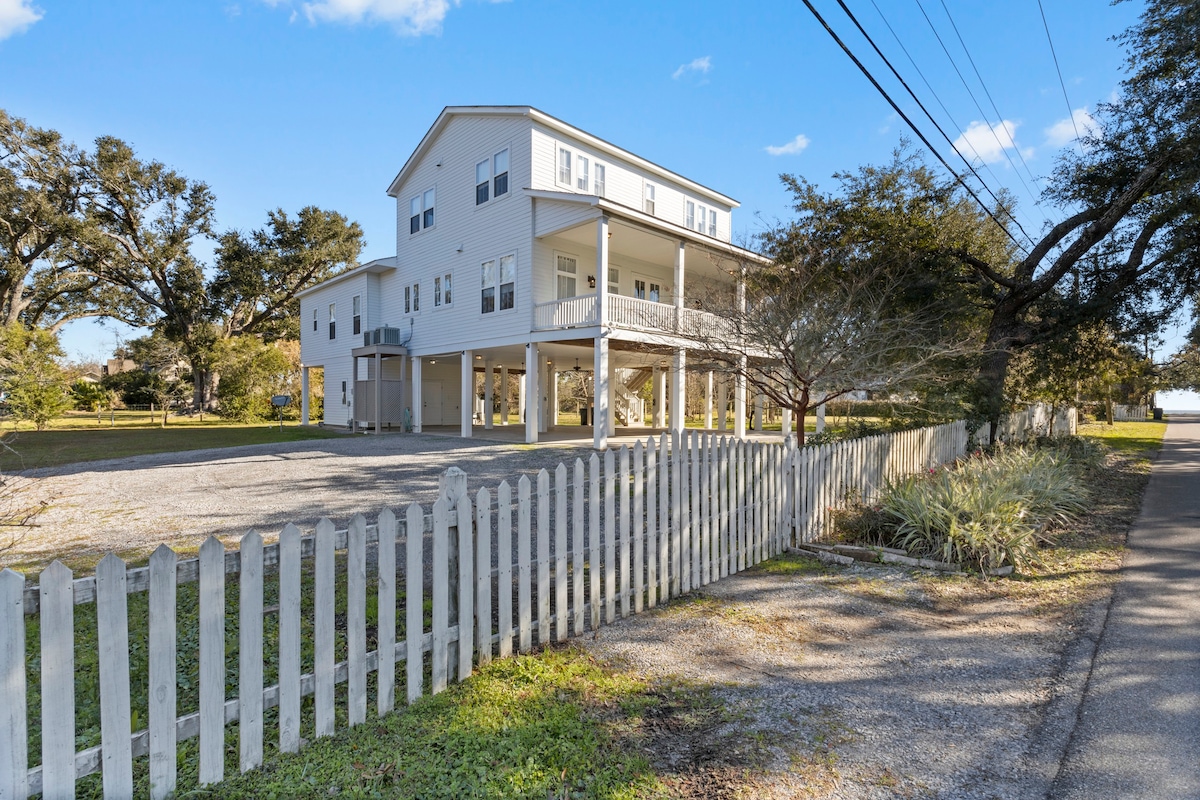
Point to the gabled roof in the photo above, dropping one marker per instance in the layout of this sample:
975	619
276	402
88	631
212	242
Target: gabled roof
555	124
386	264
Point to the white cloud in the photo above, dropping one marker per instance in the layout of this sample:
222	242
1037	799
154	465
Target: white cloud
16	16
796	145
408	17
987	143
1063	131
701	65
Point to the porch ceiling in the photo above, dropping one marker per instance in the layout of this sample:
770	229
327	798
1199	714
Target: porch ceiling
621	354
635	241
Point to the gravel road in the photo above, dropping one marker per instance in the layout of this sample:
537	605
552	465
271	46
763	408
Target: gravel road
130	505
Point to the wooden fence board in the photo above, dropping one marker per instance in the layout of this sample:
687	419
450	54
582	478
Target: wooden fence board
561	517
504	563
162	694
112	638
610	536
58	682
577	533
623	521
594	540
414	602
466	586
14	727
524	567
652	493
440	655
289	639
385	615
250	652
356	621
324	609
212	661
639	527
483	575
543	557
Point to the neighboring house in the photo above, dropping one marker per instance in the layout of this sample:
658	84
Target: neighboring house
524	247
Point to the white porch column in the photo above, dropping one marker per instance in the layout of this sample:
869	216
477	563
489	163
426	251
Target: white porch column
677	289
553	378
708	399
378	392
529	390
723	403
759	403
466	405
739	401
658	389
602	272
543	399
304	390
612	399
489	378
600	393
418	395
679	390
821	418
503	394
786	428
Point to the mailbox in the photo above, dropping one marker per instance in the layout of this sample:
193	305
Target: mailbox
281	400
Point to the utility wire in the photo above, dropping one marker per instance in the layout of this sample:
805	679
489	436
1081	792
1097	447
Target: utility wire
909	122
974	99
1070	111
942	131
999	116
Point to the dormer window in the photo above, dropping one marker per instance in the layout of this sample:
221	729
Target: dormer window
649	198
581	173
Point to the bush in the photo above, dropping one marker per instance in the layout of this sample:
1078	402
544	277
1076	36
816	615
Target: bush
988	511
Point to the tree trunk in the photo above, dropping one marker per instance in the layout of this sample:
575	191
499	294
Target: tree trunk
1002	338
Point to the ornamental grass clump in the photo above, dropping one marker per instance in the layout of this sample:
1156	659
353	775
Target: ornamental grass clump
988	511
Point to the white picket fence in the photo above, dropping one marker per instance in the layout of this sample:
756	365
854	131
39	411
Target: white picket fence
1130	413
568	553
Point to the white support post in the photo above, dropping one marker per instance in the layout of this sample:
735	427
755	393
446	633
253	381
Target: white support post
378	392
659	389
602	272
723	404
489	380
821	418
679	390
739	401
543	404
708	400
786	428
600	392
418	395
466	404
760	403
678	288
529	389
503	394
553	378
304	390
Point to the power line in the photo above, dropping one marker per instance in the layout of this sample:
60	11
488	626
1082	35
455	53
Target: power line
909	122
974	99
1067	100
913	95
999	116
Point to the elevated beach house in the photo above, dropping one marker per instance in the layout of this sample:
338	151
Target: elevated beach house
526	247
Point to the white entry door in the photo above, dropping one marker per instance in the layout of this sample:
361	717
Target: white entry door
647	288
431	403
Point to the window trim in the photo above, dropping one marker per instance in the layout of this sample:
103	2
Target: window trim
556	254
493	176
568	181
443	295
599	178
689	214
333	322
649	198
356	314
419	197
497	285
712	222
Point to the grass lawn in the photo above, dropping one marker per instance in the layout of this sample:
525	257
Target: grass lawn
1134	438
77	437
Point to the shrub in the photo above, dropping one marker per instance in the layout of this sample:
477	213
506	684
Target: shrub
987	512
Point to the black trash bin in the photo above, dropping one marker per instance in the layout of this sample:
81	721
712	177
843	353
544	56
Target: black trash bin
1158	412
583	415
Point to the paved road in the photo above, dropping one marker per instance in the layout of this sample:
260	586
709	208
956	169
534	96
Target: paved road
1138	733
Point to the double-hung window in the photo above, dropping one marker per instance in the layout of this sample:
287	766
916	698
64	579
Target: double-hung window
712	222
508	281
564	166
416	287
356	314
407	299
420	211
314	320
491	177
412	298
614	280
333	320
700	220
497	284
649	199
487	282
441	290
582	180
689	220
599	180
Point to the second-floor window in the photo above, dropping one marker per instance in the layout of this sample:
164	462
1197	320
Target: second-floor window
701	219
566	270
712	222
689	218
333	320
412	298
356	314
420	211
314	320
649	198
497	282
441	290
599	180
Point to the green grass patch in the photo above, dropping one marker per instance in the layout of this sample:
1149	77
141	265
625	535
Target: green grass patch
1134	438
78	438
791	564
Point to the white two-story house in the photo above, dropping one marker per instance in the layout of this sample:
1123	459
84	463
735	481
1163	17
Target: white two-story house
525	247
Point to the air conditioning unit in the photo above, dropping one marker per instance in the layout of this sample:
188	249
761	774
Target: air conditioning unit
384	335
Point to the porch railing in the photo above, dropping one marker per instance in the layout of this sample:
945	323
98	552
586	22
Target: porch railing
627	312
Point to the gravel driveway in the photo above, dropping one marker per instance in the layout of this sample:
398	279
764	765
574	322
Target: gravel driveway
130	505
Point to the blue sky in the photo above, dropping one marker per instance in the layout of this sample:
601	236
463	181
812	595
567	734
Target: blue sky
282	103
